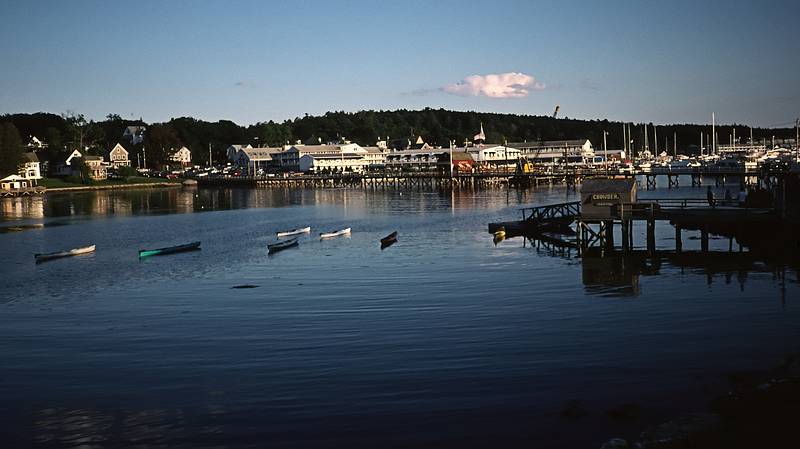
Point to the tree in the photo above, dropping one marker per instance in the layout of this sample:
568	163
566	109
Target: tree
161	141
11	149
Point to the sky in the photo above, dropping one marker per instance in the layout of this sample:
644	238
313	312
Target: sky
253	61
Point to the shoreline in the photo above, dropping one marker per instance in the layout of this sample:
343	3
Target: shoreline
113	187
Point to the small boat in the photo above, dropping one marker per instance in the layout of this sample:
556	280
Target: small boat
275	247
326	235
60	254
169	250
305	230
389	240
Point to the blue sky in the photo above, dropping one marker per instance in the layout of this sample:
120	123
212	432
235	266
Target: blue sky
251	61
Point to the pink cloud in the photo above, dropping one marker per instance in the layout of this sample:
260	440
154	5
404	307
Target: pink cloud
495	85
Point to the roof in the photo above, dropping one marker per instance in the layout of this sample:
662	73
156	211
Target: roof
601	185
457	156
30	156
92	158
549	143
134	129
373	150
261	153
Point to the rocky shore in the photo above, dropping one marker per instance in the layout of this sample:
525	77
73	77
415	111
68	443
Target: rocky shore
759	411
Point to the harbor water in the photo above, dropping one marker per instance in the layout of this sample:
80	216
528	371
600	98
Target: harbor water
443	339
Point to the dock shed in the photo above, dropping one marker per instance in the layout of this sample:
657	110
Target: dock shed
601	197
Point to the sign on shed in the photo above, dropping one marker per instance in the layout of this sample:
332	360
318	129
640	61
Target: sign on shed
599	197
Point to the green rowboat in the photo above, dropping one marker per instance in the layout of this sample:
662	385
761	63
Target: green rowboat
169	250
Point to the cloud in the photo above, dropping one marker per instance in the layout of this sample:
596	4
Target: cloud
495	85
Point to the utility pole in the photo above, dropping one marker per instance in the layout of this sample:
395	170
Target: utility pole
144	156
701	143
675	143
624	140
209	154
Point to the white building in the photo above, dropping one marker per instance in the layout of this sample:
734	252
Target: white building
30	168
552	151
494	156
65	169
14	182
414	160
346	157
118	157
183	156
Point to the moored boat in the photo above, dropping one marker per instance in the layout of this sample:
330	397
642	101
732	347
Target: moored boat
389	238
305	230
275	247
169	250
60	254
326	235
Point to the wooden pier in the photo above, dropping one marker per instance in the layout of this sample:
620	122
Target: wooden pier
32	191
684	214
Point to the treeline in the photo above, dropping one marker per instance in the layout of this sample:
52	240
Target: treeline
68	131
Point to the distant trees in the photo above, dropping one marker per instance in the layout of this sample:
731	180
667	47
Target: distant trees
436	126
11	149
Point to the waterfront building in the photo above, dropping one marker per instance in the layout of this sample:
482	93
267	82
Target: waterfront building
65	168
29	169
257	160
118	157
462	162
333	158
492	157
183	156
423	159
578	151
347	157
233	151
14	182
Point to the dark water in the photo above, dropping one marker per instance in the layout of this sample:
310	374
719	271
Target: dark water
441	340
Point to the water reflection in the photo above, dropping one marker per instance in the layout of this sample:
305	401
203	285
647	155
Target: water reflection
617	273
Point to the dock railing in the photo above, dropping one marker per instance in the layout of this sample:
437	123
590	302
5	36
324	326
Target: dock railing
570	209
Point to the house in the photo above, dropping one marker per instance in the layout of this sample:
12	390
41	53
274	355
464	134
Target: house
14	182
65	168
97	168
30	168
134	134
183	156
34	143
233	151
118	157
257	160
556	151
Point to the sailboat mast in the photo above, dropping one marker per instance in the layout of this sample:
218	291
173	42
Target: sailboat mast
713	134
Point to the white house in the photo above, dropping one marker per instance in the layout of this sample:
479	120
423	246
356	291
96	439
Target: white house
65	169
414	160
30	168
14	182
233	151
182	156
118	157
35	143
134	134
575	151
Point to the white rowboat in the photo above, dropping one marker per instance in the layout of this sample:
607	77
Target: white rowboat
60	254
326	235
305	230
